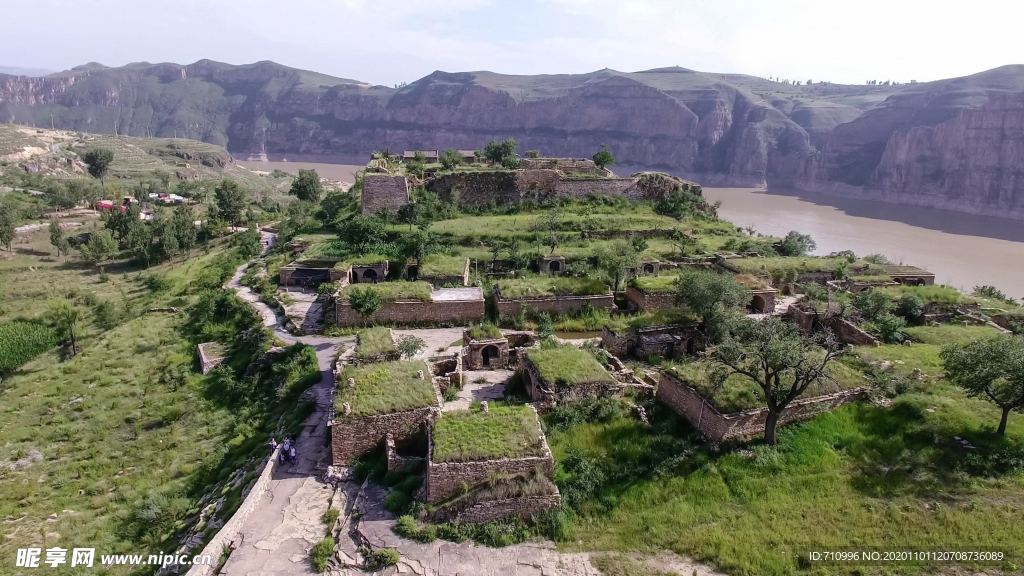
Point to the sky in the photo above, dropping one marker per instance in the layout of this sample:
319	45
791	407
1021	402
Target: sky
392	42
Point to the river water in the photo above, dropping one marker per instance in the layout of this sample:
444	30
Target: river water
962	250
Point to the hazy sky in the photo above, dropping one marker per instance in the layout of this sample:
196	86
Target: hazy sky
390	42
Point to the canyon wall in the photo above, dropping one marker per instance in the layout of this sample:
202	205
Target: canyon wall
950	143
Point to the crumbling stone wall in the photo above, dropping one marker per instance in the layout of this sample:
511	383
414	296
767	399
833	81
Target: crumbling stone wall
476	188
383	190
809	321
460	312
566	165
473	352
640	301
583	187
481	512
548	393
351	436
718	427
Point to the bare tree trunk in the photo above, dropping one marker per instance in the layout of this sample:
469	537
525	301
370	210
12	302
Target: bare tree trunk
770	423
74	345
1002	423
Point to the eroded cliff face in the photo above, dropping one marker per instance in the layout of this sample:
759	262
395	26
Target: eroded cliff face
948	143
974	162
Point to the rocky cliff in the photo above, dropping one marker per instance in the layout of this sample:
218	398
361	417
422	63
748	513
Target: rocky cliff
949	143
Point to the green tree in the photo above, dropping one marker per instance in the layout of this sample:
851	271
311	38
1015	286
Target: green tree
779	359
307	186
57	239
365	301
6	226
681	240
64	317
510	162
617	261
98	161
121	222
991	368
361	232
411	214
796	244
533	153
231	201
450	158
139	243
419	244
603	157
184	228
711	296
639	243
496	151
335	203
101	247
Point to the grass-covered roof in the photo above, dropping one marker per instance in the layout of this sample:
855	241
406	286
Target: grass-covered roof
472	435
548	286
567	365
392	291
440	265
375	341
385	388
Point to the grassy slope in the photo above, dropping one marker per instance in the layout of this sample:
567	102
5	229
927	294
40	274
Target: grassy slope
116	436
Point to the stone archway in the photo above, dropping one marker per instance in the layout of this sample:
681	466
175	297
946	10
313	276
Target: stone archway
758	304
370	276
648	268
491	357
413	272
555	266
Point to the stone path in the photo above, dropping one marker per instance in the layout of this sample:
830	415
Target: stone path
492	387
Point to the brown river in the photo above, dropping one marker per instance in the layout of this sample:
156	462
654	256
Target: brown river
963	250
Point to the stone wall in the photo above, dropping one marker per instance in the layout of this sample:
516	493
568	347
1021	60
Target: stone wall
583	187
809	321
552	305
458	312
382	190
228	533
525	507
548	393
641	301
762	301
446	479
718	427
473	352
211	355
566	165
476	188
665	341
351	436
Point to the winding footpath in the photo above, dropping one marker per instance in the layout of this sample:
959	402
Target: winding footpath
279	533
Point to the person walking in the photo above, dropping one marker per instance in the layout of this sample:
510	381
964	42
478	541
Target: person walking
291	453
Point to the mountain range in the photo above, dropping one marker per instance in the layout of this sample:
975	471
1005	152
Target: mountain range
955	143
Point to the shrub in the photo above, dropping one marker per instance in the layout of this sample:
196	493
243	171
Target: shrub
890	328
385	557
796	244
910	307
23	341
321	553
331	516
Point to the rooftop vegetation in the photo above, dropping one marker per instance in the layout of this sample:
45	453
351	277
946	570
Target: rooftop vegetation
567	365
441	265
778	266
548	286
944	334
385	388
392	291
739	393
930	294
654	284
485	332
472	435
366	260
375	341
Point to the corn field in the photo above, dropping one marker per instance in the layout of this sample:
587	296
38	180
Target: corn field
23	341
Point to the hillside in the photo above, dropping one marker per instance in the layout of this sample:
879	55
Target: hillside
727	129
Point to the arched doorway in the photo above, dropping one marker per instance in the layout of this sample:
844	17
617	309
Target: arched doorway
758	304
491	357
630	348
413	272
370	276
555	266
648	268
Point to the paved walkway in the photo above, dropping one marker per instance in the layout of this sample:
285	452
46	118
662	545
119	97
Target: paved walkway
480	385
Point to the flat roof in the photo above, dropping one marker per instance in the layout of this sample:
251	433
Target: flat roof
457	294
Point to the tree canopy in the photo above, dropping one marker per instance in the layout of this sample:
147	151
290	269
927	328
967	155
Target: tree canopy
603	157
6	226
710	295
796	244
307	186
779	359
991	368
617	260
450	158
496	151
231	201
98	161
361	232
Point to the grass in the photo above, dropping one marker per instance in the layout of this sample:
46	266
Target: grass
442	265
392	291
779	265
550	286
23	341
485	332
567	365
949	334
365	260
654	284
933	293
385	388
471	435
374	342
738	392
